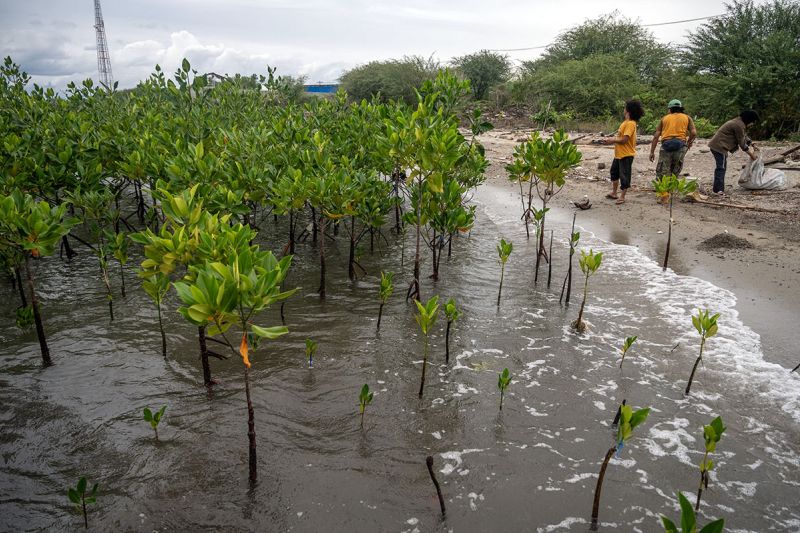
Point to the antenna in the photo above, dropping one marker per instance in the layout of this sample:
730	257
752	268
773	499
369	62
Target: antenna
103	57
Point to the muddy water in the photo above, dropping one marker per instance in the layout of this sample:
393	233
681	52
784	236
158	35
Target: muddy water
531	467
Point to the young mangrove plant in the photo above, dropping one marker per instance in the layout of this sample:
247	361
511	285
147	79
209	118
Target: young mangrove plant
628	420
429	464
452	313
711	435
311	349
689	521
30	230
226	294
574	237
503	380
426	317
385	293
154	418
669	186
156	288
79	498
589	262
504	250
364	399
706	326
626	346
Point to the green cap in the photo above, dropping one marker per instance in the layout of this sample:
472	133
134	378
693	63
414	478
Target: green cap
674	103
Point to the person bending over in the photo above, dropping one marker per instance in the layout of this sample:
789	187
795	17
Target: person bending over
730	137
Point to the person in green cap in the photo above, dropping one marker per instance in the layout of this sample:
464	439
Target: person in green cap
677	133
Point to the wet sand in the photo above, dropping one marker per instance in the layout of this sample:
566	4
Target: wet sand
764	278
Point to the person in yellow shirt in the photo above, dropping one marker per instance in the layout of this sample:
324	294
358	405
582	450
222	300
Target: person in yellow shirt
624	150
677	133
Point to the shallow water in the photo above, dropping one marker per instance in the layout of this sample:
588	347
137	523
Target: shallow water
531	467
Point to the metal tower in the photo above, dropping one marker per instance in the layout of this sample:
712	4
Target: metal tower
103	57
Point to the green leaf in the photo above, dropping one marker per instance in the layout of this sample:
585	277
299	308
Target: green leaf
669	525
82	485
688	522
185	66
148	415
74	497
270	333
716	526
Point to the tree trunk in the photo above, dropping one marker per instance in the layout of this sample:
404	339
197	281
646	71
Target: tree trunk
351	268
161	329
500	290
322	259
380	313
20	287
67	248
251	429
579	323
550	261
314	224
669	233
291	231
434	246
37	317
424	365
447	343
122	278
416	292
599	487
201	335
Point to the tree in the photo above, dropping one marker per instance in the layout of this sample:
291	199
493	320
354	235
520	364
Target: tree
395	79
752	56
484	70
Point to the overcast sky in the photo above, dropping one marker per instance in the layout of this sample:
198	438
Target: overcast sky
54	40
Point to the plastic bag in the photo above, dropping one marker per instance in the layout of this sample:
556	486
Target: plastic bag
755	177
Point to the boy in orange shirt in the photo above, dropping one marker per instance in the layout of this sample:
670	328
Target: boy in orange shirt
624	150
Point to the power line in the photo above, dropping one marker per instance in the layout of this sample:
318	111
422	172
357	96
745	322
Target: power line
540	47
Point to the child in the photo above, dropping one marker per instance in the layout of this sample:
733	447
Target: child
624	150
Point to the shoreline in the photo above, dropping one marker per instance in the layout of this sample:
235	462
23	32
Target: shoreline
764	278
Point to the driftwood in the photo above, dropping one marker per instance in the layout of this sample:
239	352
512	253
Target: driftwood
697	199
781	157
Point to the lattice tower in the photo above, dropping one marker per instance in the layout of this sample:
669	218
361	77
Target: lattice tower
103	57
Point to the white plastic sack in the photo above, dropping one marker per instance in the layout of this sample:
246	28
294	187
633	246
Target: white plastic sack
755	177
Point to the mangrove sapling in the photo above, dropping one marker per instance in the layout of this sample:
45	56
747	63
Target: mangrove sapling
31	229
626	346
503	380
573	244
426	317
386	291
589	262
154	418
538	224
231	293
311	349
689	521
79	498
628	420
504	250
670	186
364	399
706	326
711	435
156	288
550	260
452	313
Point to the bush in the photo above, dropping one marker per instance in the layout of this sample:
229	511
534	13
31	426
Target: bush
396	79
705	129
484	70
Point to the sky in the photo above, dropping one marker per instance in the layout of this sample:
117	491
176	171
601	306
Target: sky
54	40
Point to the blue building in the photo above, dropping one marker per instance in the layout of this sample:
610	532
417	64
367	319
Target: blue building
321	88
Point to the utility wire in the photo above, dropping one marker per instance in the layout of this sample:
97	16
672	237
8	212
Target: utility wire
645	25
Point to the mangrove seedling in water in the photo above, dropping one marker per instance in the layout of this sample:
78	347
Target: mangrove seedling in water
429	463
706	326
503	380
669	186
504	250
711	435
154	418
628	420
452	313
426	317
589	262
574	237
156	288
627	346
364	399
80	498
386	291
311	349
689	521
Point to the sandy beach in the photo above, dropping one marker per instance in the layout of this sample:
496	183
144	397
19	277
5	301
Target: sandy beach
763	273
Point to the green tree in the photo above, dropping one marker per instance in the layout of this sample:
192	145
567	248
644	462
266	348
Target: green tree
752	56
484	70
395	79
